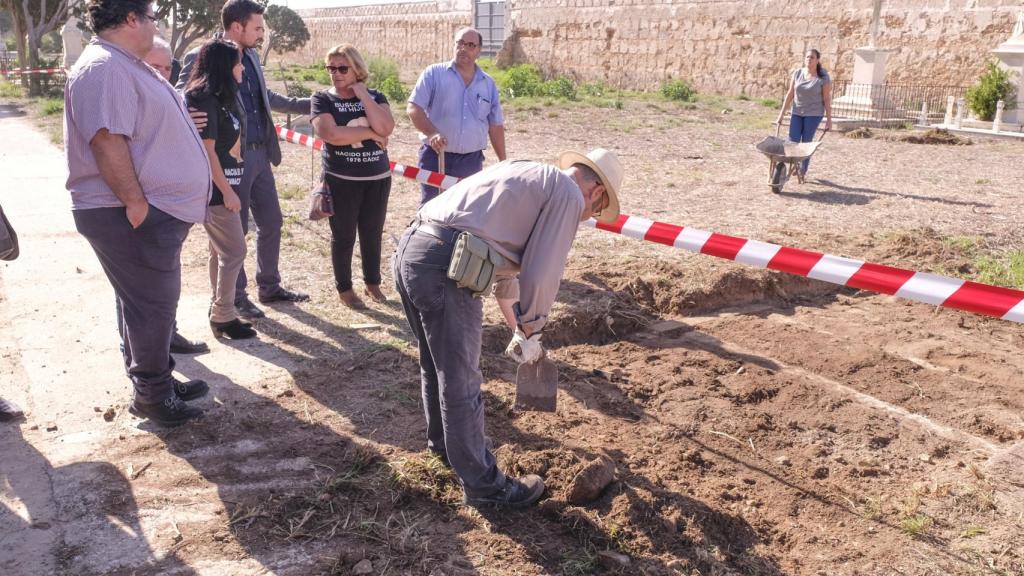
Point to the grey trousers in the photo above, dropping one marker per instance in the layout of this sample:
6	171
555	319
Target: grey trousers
144	267
258	193
227	254
448	323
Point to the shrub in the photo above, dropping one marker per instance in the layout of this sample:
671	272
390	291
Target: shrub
299	90
522	80
10	89
678	90
769	103
560	87
394	90
993	86
380	69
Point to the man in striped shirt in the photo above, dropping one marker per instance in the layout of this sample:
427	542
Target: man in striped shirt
139	178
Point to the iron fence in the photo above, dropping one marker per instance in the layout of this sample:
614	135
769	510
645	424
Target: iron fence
892	105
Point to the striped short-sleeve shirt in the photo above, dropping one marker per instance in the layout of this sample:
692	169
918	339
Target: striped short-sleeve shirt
111	88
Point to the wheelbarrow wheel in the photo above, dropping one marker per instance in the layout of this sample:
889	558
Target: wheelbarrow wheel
778	177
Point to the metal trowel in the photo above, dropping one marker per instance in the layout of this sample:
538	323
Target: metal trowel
537	385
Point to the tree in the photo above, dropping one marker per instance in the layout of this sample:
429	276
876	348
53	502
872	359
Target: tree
33	19
189	21
287	31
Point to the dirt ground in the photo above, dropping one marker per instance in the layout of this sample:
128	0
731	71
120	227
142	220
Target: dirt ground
757	423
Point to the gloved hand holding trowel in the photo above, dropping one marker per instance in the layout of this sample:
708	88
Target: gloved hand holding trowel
537	377
525	350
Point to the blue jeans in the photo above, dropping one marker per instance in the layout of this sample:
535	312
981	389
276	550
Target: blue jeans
458	165
802	129
448	324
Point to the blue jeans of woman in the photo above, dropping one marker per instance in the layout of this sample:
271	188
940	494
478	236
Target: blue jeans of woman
802	129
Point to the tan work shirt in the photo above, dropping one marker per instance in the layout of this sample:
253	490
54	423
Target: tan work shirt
527	211
111	88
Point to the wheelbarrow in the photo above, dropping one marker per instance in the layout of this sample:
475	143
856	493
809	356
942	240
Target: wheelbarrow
785	157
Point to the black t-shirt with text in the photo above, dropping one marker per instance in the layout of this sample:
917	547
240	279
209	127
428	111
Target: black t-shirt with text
225	129
363	160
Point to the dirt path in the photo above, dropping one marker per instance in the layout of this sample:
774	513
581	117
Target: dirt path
758	423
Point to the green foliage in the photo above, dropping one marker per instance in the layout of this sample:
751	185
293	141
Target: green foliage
678	90
743	98
10	89
522	80
51	106
287	30
993	86
1005	270
560	87
384	77
299	90
769	103
394	90
916	524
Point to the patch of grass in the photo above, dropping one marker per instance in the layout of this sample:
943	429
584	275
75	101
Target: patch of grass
966	244
770	103
579	563
982	181
972	531
426	473
975	497
874	508
51	107
743	98
291	192
10	90
1003	270
916	525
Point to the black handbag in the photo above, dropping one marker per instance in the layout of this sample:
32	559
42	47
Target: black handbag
8	239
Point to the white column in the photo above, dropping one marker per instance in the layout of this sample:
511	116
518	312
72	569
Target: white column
949	111
959	112
923	120
999	116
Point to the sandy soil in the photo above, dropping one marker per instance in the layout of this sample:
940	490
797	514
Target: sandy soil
757	423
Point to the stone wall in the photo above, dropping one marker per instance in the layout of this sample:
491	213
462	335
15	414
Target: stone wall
414	34
727	46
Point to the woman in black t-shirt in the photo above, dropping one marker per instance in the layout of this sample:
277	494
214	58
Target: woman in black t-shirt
212	88
355	123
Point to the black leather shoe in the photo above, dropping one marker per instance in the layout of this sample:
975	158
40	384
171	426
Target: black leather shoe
170	412
9	411
246	309
283	295
182	345
190	390
517	493
233	330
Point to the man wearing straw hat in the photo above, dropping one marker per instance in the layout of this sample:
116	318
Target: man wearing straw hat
523	216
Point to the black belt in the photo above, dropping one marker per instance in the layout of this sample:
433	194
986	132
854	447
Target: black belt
254	145
439	231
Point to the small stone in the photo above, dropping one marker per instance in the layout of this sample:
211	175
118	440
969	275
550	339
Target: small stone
97	409
927	458
109	415
591	481
363	567
51	426
820	473
741	370
783	460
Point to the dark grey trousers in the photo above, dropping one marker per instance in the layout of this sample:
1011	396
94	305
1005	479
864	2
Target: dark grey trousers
144	267
448	323
258	193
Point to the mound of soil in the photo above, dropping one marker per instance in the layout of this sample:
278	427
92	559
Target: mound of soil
860	133
936	136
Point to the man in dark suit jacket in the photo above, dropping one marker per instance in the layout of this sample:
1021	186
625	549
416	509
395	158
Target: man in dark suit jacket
243	24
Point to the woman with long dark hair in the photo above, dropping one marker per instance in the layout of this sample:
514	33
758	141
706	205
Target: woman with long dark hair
355	122
212	88
810	92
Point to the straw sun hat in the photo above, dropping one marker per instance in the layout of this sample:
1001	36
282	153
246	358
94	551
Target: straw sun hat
607	166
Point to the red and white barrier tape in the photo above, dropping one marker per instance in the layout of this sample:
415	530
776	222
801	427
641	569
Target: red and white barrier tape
20	72
410	172
1005	303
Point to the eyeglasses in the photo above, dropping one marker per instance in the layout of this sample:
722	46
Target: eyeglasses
462	44
338	69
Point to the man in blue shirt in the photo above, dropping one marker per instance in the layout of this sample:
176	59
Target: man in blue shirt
456	109
243	24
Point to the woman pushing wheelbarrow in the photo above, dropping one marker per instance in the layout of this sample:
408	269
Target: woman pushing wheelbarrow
810	92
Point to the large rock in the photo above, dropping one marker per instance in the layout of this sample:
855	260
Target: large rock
591	481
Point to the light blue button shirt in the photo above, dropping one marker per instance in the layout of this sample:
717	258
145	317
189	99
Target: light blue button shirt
461	113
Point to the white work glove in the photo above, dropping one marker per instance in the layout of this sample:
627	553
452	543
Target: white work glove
523	349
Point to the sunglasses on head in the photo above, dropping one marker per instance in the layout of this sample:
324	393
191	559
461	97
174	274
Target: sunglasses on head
338	69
